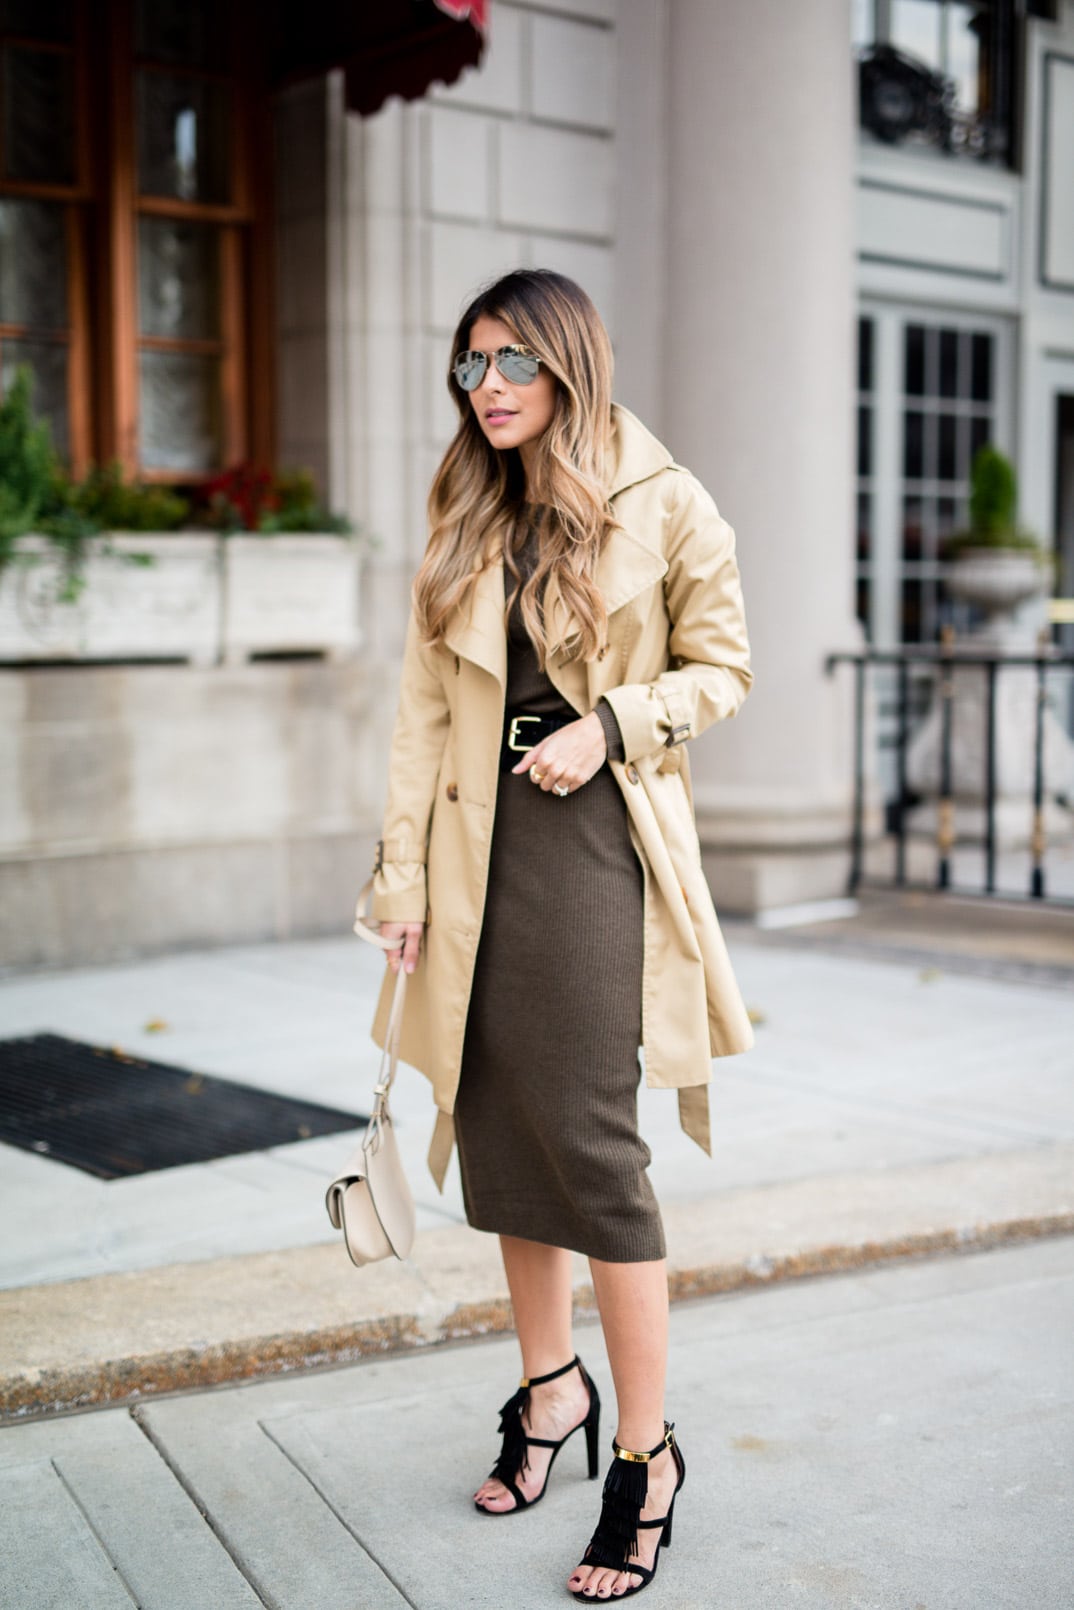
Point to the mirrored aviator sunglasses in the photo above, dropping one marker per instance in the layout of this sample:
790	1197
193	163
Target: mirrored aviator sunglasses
519	366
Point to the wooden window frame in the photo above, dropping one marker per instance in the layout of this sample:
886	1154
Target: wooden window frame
74	197
103	207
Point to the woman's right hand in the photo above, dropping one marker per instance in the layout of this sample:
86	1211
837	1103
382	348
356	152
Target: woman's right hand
410	933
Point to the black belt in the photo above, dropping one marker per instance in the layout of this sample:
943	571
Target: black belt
522	731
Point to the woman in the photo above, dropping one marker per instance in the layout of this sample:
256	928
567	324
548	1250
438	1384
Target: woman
576	618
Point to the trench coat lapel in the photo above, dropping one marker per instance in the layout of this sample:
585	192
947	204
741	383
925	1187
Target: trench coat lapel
629	564
626	568
476	630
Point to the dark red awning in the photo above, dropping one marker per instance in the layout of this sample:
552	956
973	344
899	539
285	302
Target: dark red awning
384	47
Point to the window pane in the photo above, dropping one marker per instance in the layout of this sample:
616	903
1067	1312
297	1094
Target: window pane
38	108
865	354
179	412
863	604
865	441
947	468
48	362
981	367
33	265
865	523
948	363
913	536
912	611
980	433
914	383
37	19
946	517
915	28
964	53
183	33
183	139
913	446
178	279
862	27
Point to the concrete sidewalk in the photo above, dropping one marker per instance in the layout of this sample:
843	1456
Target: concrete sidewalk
913	1104
888	1440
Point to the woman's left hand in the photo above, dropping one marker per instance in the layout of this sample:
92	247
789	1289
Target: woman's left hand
567	758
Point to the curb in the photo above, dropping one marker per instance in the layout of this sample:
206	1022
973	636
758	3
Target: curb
118	1339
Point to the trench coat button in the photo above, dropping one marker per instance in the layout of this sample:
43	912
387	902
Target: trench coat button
632	774
452	791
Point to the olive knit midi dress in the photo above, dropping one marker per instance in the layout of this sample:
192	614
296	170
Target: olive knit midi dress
546	1113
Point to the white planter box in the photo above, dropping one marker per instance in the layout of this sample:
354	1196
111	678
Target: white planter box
290	593
126	610
204	599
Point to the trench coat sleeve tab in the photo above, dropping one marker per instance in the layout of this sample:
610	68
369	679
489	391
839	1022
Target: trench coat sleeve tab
398	850
694	1115
441	1147
708	673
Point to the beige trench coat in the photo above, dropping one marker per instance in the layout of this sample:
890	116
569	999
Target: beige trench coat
675	661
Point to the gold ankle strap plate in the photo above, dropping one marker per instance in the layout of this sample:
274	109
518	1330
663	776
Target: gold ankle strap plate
643	1458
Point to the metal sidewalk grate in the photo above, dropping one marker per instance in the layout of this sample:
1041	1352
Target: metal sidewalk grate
113	1114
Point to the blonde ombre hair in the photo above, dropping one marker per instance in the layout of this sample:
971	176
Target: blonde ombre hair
478	490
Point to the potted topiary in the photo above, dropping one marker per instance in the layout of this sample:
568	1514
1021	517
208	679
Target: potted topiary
995	563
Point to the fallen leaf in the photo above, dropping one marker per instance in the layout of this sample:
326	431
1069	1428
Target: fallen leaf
755	1015
155	1025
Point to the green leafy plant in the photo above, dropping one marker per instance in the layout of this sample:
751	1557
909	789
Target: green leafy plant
37	496
28	464
993	508
110	503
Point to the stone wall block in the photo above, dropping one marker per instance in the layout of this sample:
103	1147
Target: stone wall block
208	756
573	72
461	258
497	85
75	782
457	175
594	10
556	180
441	417
592	266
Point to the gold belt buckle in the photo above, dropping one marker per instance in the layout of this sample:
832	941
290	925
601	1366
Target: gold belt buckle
513	733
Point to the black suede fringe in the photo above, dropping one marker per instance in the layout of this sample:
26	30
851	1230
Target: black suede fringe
514	1457
626	1488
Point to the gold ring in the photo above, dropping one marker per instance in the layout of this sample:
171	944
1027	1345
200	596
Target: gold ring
561	790
535	775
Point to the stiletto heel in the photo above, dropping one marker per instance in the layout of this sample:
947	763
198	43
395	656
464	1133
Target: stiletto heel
626	1488
514	1450
592	1435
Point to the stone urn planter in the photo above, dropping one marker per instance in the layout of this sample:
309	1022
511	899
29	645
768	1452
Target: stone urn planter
1009	586
996	580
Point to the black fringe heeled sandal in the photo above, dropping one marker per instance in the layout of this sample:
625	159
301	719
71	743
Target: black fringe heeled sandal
514	1450
626	1488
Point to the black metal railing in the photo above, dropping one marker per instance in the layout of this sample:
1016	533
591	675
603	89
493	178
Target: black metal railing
939	665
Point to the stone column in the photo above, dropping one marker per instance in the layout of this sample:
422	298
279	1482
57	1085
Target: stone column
758	403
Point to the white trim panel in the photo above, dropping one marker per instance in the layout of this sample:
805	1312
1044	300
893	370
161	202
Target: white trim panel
918	229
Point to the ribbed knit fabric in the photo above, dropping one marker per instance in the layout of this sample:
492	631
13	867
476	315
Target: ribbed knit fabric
546	1114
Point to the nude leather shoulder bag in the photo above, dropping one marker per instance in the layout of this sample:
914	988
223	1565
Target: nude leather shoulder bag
370	1200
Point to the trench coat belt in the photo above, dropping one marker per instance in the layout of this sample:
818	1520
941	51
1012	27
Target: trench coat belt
523	729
